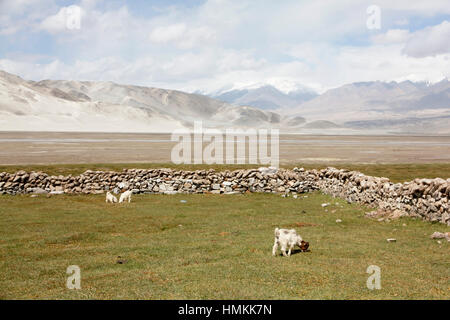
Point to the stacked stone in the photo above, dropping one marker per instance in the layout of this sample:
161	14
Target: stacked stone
425	198
159	181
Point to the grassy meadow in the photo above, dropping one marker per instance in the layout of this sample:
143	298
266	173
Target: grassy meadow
212	247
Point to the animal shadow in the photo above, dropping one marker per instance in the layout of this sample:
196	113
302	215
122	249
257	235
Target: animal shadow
296	251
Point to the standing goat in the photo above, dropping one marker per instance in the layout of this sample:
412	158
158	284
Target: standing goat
125	196
288	238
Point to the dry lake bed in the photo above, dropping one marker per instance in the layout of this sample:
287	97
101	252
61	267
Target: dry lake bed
21	148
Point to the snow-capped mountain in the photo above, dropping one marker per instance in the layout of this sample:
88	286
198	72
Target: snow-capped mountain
408	106
357	108
265	97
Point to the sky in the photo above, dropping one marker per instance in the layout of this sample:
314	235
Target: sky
213	45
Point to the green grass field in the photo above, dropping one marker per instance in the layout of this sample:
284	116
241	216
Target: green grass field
212	247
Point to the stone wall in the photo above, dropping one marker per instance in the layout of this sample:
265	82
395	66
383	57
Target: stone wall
425	198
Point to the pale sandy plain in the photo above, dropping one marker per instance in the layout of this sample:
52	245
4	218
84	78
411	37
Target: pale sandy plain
20	148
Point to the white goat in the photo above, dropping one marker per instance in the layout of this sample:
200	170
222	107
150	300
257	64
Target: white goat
125	196
110	197
288	238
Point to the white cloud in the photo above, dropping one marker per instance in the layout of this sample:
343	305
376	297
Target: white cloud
311	52
9	30
236	60
166	34
430	41
401	22
181	36
225	42
22	15
17	6
67	19
422	8
387	63
392	36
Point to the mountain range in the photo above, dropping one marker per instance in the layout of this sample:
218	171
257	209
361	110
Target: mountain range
357	108
382	107
59	105
266	97
406	107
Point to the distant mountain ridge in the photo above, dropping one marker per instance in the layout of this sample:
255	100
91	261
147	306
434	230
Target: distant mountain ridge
62	105
358	108
390	105
265	97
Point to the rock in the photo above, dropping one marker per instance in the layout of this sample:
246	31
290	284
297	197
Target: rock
391	240
39	191
338	220
441	235
122	185
267	171
437	235
57	192
397	214
170	192
325	205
